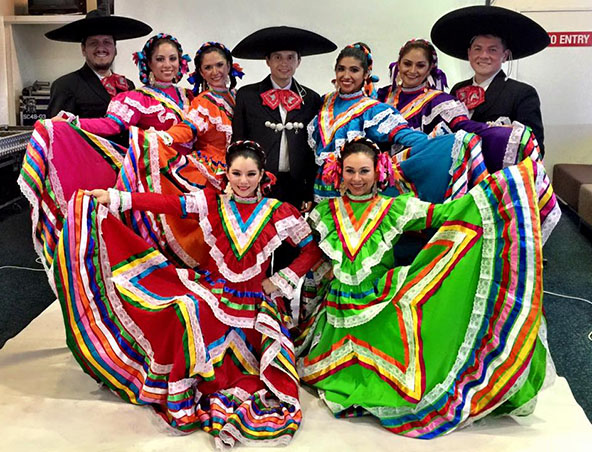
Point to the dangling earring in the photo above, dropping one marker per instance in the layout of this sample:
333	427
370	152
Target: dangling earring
374	189
151	78
259	194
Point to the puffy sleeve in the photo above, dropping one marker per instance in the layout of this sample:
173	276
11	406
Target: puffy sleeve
193	125
387	125
123	112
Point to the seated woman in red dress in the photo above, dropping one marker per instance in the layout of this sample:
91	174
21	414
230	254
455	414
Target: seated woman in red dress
208	347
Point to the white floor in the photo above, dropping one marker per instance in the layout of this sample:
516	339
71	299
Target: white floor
47	403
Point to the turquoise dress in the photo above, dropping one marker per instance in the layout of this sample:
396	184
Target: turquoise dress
434	169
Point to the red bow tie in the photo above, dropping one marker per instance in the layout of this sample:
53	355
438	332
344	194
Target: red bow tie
472	96
274	97
114	83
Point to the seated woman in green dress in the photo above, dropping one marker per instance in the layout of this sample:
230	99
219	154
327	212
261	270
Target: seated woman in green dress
456	335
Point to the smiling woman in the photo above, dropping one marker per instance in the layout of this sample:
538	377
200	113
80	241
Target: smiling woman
421	347
210	347
50	178
417	92
164	62
348	112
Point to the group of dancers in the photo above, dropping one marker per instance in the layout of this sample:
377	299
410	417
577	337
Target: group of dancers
164	252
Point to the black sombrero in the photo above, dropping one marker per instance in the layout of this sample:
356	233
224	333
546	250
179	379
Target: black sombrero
261	43
97	22
452	33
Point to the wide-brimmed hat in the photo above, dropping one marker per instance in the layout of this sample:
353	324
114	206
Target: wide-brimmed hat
261	43
452	33
98	22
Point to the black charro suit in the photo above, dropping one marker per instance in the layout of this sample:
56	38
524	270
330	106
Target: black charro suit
248	123
81	93
507	97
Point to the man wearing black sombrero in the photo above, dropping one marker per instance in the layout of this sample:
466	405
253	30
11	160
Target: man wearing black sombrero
88	91
276	111
488	36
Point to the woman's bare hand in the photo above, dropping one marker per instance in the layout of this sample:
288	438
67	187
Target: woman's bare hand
268	286
101	195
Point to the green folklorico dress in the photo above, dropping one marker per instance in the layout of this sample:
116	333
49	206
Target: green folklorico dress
435	345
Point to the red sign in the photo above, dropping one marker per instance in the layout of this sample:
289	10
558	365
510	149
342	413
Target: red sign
570	39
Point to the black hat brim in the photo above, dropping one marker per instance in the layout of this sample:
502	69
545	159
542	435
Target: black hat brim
117	26
452	33
261	43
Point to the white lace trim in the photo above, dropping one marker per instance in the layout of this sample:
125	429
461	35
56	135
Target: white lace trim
476	318
163	114
217	121
286	280
36	207
121	111
194	117
414	209
554	215
391	121
501	121
295	228
154	158
448	110
116	302
310	128
213	302
461	185
511	154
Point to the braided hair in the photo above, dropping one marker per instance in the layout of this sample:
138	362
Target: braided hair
143	57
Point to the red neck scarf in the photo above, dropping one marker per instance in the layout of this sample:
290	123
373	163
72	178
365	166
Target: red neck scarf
114	84
288	98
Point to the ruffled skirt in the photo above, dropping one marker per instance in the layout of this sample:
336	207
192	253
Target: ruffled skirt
59	160
455	336
172	338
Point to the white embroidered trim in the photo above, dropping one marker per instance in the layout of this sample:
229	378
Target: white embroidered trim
448	110
369	313
286	281
36	207
295	228
414	209
310	128
194	117
460	185
554	215
114	201
126	200
114	299
166	138
217	121
121	111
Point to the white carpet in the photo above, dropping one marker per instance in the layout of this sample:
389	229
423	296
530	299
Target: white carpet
47	403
